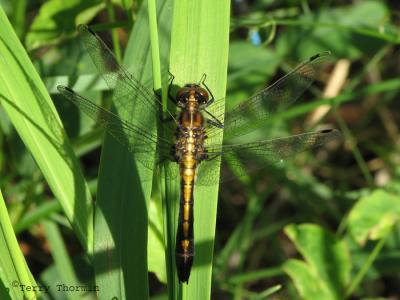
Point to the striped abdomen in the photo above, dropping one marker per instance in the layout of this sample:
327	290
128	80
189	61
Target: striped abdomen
184	251
189	150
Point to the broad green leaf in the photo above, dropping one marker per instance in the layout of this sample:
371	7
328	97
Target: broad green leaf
307	282
373	216
326	256
200	37
30	109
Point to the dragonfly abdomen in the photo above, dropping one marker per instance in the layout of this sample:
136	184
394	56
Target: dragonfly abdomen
189	143
184	251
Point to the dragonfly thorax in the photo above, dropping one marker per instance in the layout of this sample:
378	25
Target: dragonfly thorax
191	96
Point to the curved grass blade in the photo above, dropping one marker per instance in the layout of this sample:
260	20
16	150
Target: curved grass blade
30	109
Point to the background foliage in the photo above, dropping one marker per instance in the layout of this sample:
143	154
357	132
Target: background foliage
324	225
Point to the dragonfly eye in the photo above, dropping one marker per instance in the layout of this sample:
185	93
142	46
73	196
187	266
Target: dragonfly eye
201	99
201	96
182	97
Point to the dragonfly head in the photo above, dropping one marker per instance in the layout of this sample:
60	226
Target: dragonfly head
192	92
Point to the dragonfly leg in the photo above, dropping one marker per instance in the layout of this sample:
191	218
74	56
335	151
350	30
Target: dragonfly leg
214	121
171	76
208	158
203	82
157	93
170	86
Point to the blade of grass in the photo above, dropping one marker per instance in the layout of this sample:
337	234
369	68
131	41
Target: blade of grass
124	186
356	281
61	258
13	268
168	187
200	36
30	109
157	86
154	44
267	292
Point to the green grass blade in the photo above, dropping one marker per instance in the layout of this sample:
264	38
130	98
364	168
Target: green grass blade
61	258
13	268
200	36
30	109
155	52
121	223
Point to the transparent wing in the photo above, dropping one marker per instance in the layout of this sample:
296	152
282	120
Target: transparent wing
137	140
245	158
126	87
255	111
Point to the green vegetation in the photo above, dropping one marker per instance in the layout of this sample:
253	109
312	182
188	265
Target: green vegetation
90	219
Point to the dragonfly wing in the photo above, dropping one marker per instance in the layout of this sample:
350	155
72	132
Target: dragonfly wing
126	86
243	159
137	140
255	111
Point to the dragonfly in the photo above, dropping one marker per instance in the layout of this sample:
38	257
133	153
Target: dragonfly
191	140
